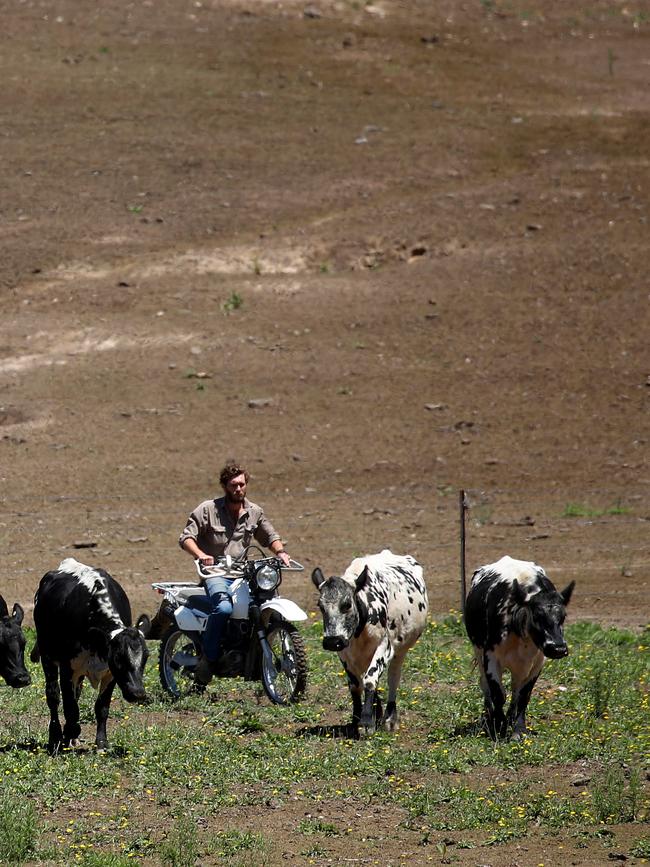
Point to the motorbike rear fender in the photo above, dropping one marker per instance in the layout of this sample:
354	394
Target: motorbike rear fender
189	620
285	607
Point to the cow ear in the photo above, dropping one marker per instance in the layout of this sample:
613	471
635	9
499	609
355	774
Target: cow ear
521	620
567	592
360	583
4	611
98	642
518	593
317	577
18	613
143	625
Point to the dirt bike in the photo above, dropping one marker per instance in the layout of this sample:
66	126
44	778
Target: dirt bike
260	641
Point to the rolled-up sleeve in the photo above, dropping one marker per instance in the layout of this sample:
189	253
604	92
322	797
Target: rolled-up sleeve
192	528
265	533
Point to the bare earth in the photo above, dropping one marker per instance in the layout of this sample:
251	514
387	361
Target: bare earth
378	252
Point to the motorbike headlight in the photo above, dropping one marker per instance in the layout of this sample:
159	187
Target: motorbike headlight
267	577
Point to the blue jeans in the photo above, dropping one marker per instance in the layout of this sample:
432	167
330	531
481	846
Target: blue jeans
218	590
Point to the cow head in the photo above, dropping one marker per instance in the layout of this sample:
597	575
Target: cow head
341	608
541	617
12	646
126	653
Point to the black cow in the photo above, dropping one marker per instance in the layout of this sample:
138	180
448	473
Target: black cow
12	646
514	617
83	629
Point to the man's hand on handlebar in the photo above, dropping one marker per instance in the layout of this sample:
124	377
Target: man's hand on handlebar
206	561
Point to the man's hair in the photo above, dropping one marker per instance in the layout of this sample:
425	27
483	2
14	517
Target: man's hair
232	469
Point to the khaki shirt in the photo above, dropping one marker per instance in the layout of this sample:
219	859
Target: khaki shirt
214	531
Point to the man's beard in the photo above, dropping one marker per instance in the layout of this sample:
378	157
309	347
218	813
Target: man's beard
235	497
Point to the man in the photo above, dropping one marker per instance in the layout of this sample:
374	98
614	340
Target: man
225	525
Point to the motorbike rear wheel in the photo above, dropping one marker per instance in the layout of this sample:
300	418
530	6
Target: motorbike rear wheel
177	658
285	678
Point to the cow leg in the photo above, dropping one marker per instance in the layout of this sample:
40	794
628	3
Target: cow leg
381	658
391	719
355	691
493	693
102	706
71	727
53	696
522	688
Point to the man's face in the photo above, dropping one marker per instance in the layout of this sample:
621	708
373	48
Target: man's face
236	489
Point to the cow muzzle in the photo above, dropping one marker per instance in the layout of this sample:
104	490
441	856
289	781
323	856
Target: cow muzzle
334	642
555	651
19	681
135	696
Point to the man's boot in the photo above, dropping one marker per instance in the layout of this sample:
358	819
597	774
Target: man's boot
203	671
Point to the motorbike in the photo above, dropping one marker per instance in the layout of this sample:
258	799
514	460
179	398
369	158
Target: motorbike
260	641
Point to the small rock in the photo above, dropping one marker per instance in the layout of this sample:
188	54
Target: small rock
259	402
84	544
138	539
312	12
435	406
533	227
430	40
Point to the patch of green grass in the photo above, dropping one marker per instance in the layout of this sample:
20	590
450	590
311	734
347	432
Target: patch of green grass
579	510
228	844
195	760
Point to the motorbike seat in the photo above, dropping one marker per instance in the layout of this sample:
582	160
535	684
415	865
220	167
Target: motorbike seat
199	601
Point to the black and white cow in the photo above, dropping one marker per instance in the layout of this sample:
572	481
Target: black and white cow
12	646
83	629
514	617
372	615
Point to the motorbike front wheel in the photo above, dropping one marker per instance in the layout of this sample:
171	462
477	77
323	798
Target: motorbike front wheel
177	658
285	675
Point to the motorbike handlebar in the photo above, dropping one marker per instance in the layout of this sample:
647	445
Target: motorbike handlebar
227	566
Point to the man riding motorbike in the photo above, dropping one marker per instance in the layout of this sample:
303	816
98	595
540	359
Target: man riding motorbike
225	525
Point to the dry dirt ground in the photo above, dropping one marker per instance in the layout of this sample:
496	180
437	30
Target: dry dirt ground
380	252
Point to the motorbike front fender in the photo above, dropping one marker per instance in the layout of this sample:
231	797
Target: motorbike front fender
285	607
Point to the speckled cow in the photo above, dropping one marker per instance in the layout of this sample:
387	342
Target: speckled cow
372	615
514	617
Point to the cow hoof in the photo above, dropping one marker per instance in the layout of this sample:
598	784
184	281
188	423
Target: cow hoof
391	725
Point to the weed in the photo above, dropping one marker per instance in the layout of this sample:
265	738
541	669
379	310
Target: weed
226	844
135	209
600	684
315	851
233	302
18	830
104	859
614	798
611	57
316	826
181	848
641	849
